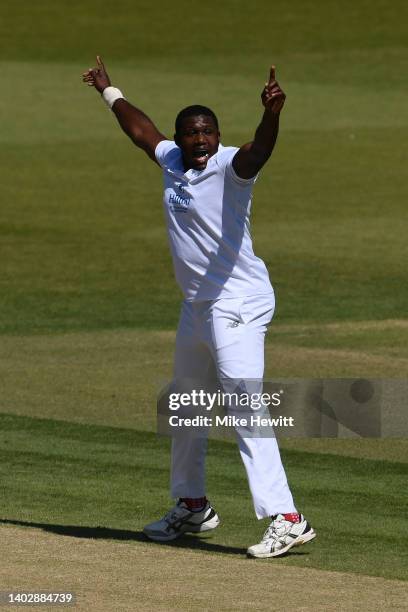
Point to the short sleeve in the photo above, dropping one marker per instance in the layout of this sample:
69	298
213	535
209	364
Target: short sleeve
166	152
224	160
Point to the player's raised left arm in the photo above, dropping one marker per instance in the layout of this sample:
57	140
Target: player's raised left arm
252	156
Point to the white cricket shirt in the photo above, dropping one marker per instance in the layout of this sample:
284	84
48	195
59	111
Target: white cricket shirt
207	213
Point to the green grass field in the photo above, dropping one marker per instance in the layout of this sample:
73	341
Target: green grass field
56	474
88	304
81	219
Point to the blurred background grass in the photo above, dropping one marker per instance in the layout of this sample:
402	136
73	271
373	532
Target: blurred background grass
81	225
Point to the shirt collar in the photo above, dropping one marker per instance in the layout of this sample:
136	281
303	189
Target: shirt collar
191	175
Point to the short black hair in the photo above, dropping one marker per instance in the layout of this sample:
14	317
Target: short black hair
194	111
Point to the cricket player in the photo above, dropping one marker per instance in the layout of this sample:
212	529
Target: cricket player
228	298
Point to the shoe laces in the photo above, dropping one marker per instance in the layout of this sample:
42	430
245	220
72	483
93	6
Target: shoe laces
276	529
174	513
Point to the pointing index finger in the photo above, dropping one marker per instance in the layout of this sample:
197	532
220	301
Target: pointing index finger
272	74
99	61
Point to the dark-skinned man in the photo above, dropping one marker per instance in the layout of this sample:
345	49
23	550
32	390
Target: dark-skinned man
228	299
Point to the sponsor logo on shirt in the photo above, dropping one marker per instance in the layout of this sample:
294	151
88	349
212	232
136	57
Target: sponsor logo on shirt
233	324
179	202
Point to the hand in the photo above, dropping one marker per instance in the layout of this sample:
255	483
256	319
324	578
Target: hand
97	77
273	98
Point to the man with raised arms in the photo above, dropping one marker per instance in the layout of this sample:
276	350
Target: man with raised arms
228	298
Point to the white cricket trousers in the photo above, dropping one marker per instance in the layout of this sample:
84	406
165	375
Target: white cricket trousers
225	339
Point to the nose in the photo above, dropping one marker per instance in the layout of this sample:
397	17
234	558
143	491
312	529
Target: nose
200	137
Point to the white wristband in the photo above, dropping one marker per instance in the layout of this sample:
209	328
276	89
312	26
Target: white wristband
111	94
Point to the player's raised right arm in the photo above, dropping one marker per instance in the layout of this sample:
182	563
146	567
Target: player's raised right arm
140	129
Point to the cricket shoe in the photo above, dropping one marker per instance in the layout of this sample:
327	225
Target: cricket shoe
280	536
181	520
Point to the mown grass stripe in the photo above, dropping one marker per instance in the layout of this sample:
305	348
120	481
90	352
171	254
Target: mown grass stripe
62	473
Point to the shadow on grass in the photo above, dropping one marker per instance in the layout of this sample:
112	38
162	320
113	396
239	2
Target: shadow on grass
106	533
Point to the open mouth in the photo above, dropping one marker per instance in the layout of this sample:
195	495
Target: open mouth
200	155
